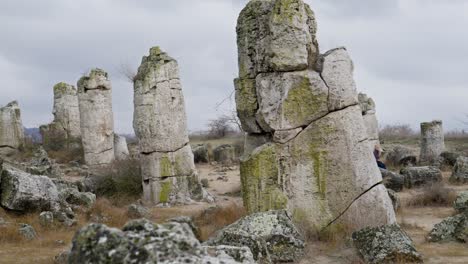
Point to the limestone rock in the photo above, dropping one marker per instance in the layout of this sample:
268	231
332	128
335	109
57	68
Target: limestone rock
337	73
27	231
392	180
120	147
370	118
461	203
454	228
460	170
417	176
400	155
24	192
307	149
46	219
395	199
188	221
96	117
11	128
200	154
74	197
432	142
224	154
450	158
160	123
230	254
386	244
140	241
65	128
271	236
137	211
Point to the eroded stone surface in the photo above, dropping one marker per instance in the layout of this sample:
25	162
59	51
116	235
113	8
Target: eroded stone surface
454	228
160	123
307	148
432	142
11	128
460	170
96	117
416	176
370	118
120	147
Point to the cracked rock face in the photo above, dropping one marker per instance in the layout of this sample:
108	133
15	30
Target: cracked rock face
11	128
66	124
160	123
432	142
370	118
97	119
308	149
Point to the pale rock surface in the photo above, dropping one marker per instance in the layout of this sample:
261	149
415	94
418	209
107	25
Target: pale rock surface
96	117
307	149
460	170
120	147
432	142
417	176
11	128
400	155
370	118
160	123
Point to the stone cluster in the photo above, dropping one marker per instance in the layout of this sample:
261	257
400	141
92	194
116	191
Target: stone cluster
11	128
96	117
432	142
160	124
307	147
65	128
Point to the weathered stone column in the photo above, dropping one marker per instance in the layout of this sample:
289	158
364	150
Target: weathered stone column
307	148
432	142
96	117
160	123
370	118
11	128
65	128
121	147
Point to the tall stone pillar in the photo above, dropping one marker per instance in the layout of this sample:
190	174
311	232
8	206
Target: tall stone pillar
65	128
160	124
370	118
307	147
96	117
11	128
432	142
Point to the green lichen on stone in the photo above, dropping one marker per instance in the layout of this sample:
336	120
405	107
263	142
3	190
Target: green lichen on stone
164	194
62	88
301	102
246	97
152	63
165	166
284	11
259	176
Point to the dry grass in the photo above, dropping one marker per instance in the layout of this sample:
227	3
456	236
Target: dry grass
110	214
435	194
213	220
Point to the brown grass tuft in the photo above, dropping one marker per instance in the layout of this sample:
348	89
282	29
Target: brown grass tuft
105	212
215	219
435	194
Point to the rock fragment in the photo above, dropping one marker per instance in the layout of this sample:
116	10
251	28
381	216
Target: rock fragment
432	142
11	129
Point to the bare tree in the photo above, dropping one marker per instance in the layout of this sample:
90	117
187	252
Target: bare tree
128	72
220	127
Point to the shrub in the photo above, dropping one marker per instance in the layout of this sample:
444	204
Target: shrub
435	194
397	131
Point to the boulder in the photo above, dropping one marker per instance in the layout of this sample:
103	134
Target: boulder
140	241
120	147
432	142
460	171
454	228
271	236
386	244
46	219
200	154
224	154
395	199
417	176
401	156
96	118
188	221
461	203
137	211
11	129
21	191
450	158
74	197
392	180
27	232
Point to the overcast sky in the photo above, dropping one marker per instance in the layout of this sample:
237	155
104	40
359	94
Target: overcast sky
411	56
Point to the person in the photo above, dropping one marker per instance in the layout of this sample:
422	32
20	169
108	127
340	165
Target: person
377	154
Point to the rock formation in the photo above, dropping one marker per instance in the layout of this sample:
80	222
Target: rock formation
96	117
460	170
370	118
120	148
167	164
65	128
417	176
432	142
307	148
11	128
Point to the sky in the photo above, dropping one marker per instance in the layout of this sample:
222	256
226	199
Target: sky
411	56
